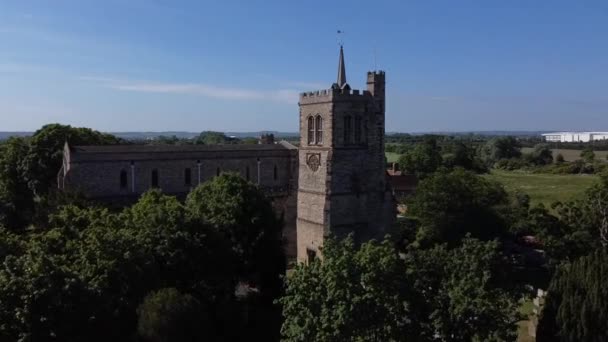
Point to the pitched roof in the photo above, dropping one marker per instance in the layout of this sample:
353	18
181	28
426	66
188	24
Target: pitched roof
175	152
403	182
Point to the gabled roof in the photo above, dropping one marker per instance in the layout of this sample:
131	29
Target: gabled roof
175	152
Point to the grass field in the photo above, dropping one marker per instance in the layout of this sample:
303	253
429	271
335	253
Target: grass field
544	188
570	155
392	157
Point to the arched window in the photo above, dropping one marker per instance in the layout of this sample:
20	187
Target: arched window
123	179
275	173
347	129
311	130
188	177
155	178
319	129
357	129
247	175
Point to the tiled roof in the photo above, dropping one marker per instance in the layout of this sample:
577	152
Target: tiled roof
403	182
178	152
175	148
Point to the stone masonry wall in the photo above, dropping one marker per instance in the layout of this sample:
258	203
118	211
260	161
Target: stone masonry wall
100	179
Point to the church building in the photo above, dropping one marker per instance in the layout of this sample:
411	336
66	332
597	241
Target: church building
334	183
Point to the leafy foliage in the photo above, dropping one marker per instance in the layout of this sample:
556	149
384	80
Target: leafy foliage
352	295
500	148
463	156
212	138
28	171
460	294
43	160
587	155
16	198
575	307
239	212
423	159
540	155
372	294
448	205
84	277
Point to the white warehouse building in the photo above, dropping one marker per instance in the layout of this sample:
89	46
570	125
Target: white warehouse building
575	136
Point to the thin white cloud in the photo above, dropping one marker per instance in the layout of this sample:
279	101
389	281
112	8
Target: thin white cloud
282	95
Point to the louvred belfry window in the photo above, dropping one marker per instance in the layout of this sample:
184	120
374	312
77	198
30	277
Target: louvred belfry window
311	130
319	129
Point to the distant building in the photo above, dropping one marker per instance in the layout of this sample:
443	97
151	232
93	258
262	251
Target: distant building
575	136
402	184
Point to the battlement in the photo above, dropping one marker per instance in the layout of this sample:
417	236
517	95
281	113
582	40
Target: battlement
376	72
328	94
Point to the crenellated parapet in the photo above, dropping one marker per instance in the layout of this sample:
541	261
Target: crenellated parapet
334	94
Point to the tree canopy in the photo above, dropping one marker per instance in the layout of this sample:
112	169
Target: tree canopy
450	204
575	307
352	295
498	148
84	277
371	293
423	159
29	167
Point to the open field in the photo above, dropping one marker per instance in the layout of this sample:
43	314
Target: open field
570	155
392	157
544	188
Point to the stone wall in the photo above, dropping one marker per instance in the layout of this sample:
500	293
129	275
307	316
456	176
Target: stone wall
102	178
97	174
347	192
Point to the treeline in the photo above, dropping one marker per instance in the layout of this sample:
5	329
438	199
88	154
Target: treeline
430	153
205	138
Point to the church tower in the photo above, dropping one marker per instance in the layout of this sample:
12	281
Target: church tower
342	185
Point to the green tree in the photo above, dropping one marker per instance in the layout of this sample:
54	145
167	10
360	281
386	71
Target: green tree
43	300
28	171
352	295
559	159
239	211
448	205
167	315
540	155
16	198
423	159
44	157
575	306
190	255
459	155
500	148
461	293
212	138
587	155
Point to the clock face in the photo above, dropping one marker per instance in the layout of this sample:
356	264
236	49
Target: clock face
313	160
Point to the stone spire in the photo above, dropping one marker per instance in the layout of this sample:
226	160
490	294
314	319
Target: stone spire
341	69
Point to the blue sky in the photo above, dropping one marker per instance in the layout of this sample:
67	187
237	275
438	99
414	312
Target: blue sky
124	65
